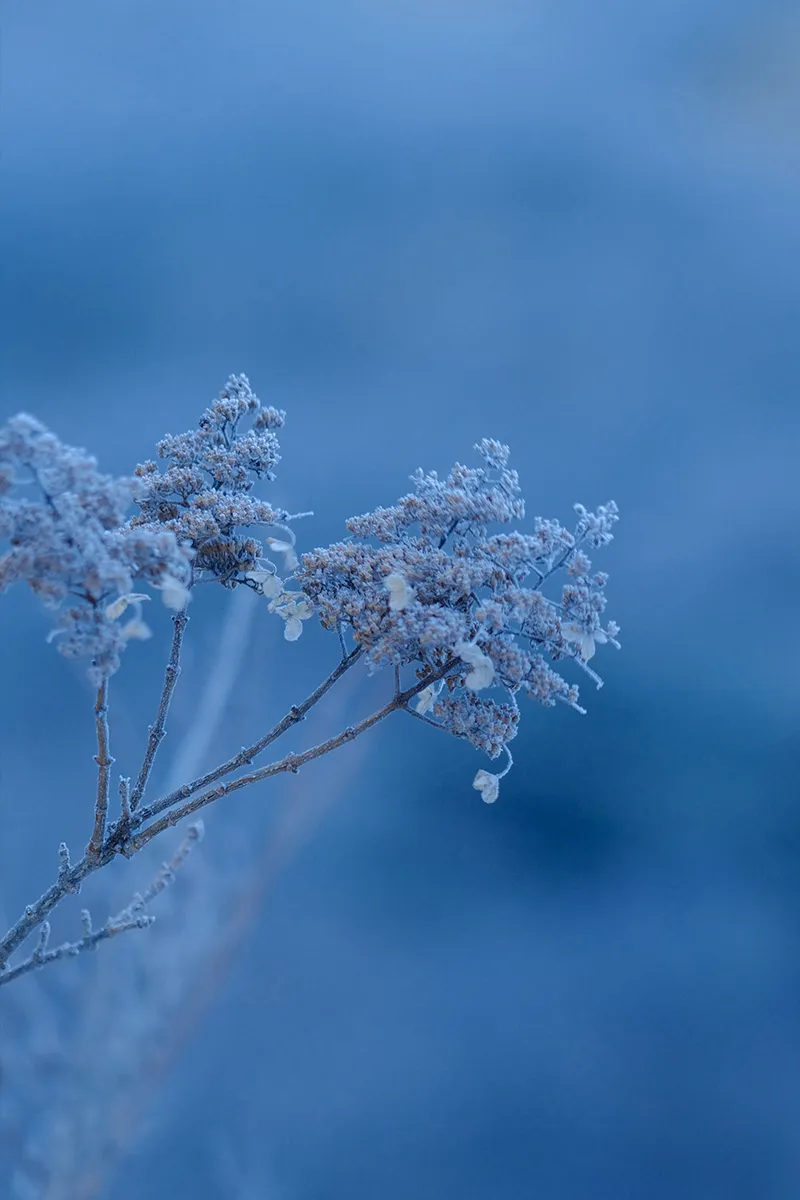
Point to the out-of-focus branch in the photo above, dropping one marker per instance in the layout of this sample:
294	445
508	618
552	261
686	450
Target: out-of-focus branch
133	916
70	877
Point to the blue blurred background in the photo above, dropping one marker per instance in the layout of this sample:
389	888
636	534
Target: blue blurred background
570	226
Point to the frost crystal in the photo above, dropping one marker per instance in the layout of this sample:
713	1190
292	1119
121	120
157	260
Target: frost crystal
427	583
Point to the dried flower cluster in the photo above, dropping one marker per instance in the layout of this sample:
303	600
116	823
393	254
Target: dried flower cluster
62	533
67	535
425	583
205	499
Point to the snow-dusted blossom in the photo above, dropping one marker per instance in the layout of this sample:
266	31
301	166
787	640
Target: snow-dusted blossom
484	722
488	785
205	496
62	533
294	608
264	579
136	630
586	642
286	547
400	592
482	673
118	606
427	697
428	582
174	593
205	493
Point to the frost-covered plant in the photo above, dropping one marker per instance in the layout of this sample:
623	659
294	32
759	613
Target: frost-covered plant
465	605
427	584
64	525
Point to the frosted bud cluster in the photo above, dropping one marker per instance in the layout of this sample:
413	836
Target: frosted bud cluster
431	582
62	533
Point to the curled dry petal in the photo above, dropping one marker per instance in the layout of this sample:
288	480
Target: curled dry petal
488	785
136	630
174	593
400	591
118	606
482	673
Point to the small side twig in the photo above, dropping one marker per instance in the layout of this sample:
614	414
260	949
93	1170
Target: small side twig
246	755
412	712
133	916
159	729
125	798
70	876
292	762
42	958
104	763
119	839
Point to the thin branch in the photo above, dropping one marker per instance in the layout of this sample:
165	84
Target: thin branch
292	762
104	763
125	798
69	880
246	755
299	817
71	876
131	917
158	730
72	949
412	712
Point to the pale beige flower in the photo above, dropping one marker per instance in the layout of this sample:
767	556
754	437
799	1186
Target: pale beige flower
136	630
286	548
401	593
427	697
267	582
482	673
488	785
117	607
586	642
294	609
174	593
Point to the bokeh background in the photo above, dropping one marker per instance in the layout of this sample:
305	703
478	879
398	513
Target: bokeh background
568	225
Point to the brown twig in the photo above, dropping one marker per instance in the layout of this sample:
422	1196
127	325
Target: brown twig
70	876
104	763
246	755
159	729
69	880
292	762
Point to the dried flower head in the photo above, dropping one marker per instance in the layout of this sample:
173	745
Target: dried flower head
62	533
205	494
426	582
